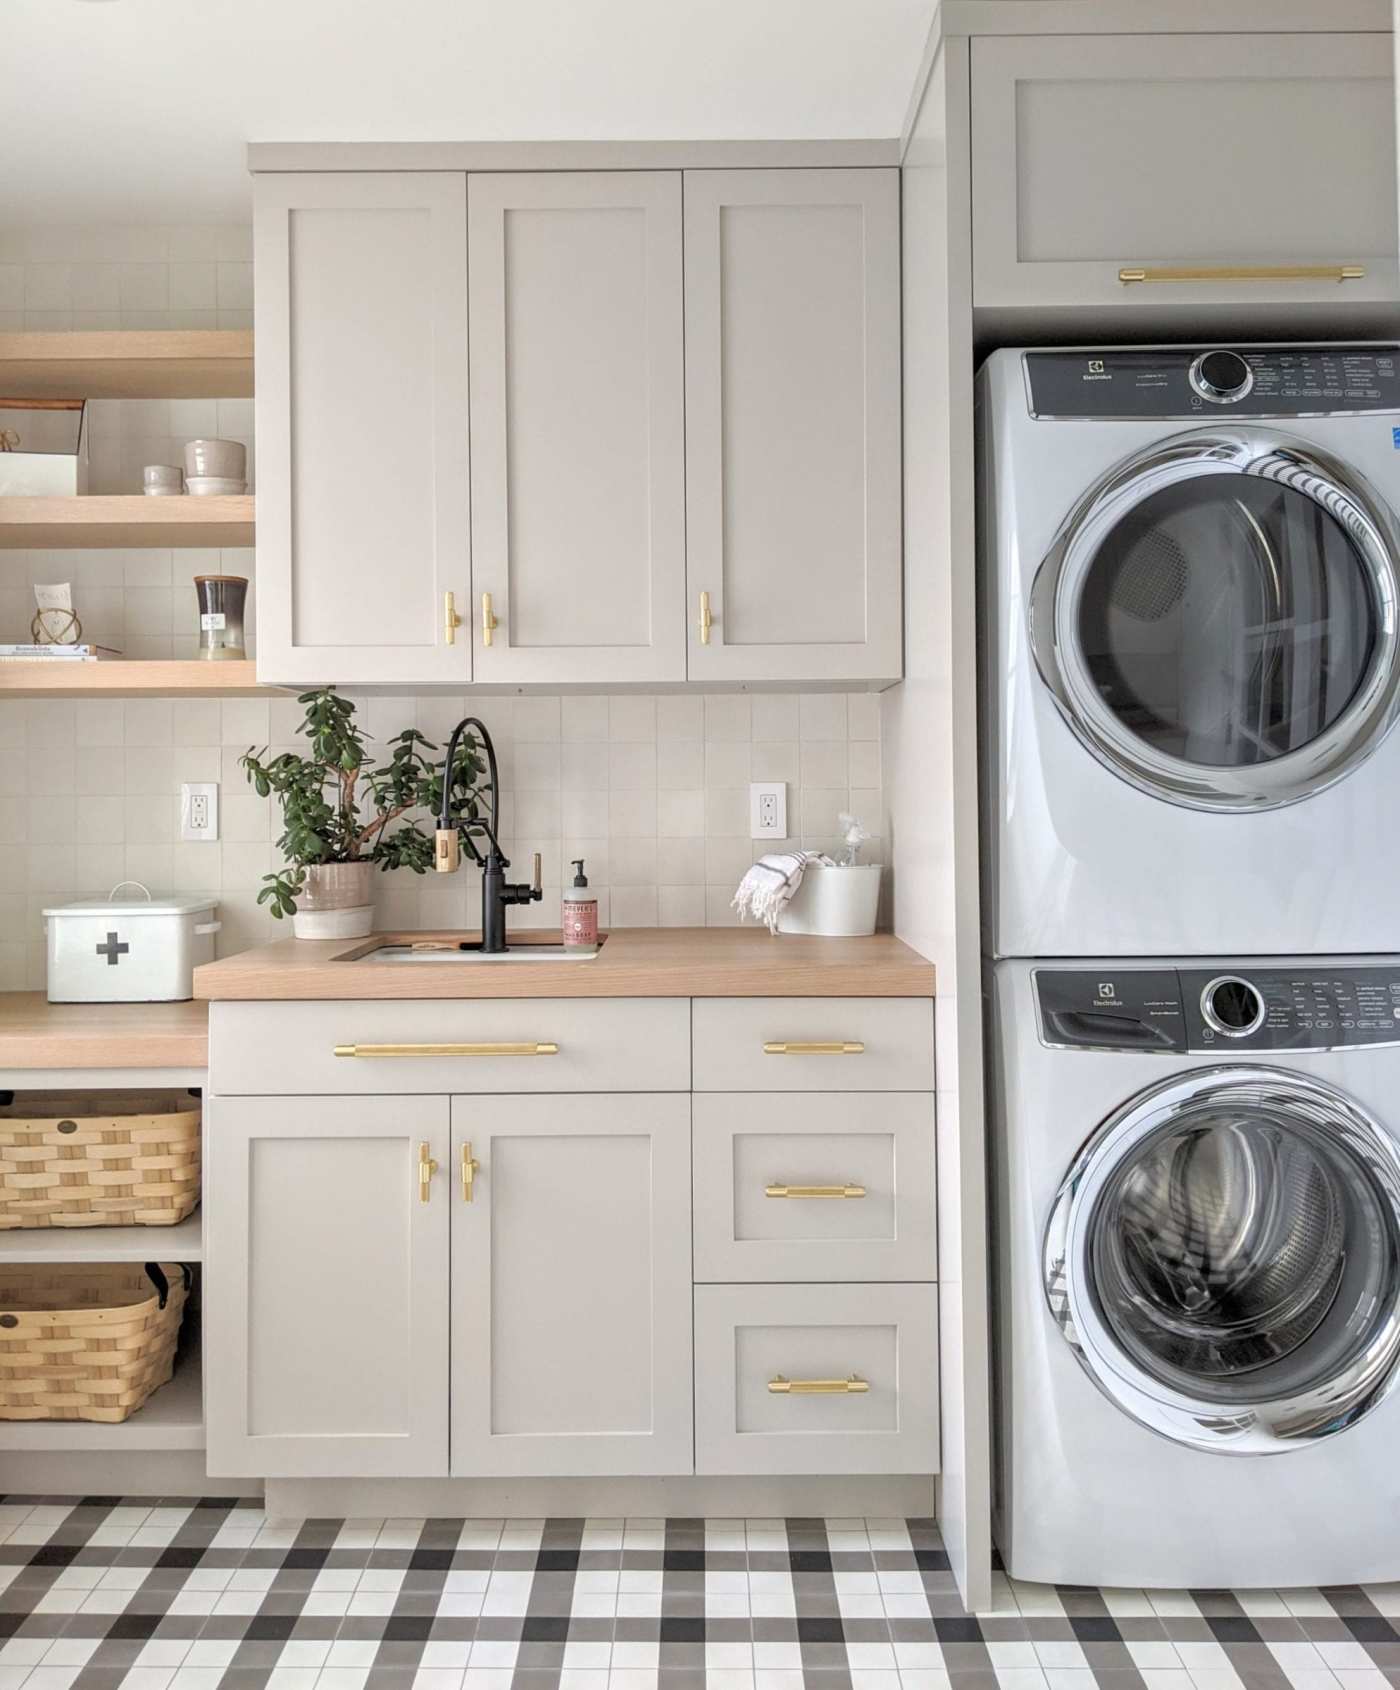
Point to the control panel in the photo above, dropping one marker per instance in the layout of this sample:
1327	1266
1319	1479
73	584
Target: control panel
1222	1008
1190	382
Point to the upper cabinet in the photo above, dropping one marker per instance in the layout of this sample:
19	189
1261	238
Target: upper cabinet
1100	162
793	529
363	541
577	426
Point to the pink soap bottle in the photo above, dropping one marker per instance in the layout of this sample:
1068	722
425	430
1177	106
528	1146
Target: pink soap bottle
580	922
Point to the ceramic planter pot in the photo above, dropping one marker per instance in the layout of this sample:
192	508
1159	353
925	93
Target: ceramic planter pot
335	903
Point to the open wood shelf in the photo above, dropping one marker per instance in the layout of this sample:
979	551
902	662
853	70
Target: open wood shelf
127	364
172	1419
137	678
182	1242
113	520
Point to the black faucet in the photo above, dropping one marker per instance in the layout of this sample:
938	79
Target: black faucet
496	890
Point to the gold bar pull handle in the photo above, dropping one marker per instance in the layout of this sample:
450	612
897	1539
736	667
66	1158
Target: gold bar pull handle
1131	273
814	1047
489	620
451	621
706	619
854	1386
530	1048
427	1167
814	1191
469	1167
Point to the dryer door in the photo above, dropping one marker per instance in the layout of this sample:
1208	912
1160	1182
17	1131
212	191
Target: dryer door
1218	620
1224	1257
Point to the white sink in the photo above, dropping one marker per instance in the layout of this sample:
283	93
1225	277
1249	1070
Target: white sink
467	952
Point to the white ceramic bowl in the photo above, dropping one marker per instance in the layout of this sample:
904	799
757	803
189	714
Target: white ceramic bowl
212	485
226	459
163	475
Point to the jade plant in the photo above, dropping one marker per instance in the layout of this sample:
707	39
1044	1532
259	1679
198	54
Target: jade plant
337	808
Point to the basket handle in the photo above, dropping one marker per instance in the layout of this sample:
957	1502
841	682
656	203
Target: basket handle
157	1278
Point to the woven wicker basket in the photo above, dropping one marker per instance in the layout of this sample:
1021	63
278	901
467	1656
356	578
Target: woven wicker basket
124	1159
80	1342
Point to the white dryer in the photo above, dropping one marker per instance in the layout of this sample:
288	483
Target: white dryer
1198	1247
1190	570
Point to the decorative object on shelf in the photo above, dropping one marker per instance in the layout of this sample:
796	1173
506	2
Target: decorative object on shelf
52	654
101	1159
43	447
87	1341
55	622
224	461
128	950
841	899
339	812
221	602
162	481
771	883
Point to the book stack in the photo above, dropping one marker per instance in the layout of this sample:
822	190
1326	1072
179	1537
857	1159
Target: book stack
56	653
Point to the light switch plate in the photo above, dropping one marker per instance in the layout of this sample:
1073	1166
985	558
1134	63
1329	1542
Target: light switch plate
199	811
768	809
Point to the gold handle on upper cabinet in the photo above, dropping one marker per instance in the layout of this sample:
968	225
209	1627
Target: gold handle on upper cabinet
451	621
814	1191
489	620
815	1047
853	1386
533	1048
706	619
427	1167
469	1167
1242	273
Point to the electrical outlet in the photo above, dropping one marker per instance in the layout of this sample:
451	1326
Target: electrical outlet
199	811
768	809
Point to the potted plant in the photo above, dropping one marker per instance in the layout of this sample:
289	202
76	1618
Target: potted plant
341	816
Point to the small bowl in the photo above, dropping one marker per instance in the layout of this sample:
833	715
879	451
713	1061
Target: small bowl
163	475
226	460
212	486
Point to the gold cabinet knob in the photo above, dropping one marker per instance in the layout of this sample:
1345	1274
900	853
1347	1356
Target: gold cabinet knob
427	1167
706	619
489	620
469	1168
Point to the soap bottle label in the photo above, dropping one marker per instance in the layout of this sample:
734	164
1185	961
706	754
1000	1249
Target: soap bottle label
580	923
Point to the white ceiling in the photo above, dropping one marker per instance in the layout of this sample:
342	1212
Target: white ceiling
138	110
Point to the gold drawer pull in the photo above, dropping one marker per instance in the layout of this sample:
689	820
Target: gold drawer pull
817	1047
451	620
853	1386
427	1167
706	619
1244	273
814	1191
469	1167
489	620
533	1049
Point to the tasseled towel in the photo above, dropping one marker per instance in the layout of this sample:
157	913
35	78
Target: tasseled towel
766	887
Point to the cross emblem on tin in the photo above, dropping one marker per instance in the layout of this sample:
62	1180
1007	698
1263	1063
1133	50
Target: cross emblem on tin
112	950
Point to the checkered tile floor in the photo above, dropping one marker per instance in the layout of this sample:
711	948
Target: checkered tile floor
101	1593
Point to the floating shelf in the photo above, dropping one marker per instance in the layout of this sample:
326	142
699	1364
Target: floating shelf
172	1419
189	678
180	1243
113	520
128	364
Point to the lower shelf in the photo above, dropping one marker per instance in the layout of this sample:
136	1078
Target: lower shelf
179	1243
172	1419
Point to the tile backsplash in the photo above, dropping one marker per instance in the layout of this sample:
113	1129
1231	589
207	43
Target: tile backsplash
651	790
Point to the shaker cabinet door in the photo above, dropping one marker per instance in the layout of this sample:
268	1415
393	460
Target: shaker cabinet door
571	1319
325	1305
578	427
361	329
792	424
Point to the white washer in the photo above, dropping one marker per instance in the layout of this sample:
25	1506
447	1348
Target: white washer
1191	578
1198	1246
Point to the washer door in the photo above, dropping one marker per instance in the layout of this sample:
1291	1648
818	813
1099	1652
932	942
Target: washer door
1224	1257
1218	620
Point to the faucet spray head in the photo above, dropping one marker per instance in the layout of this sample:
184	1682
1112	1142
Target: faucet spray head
447	850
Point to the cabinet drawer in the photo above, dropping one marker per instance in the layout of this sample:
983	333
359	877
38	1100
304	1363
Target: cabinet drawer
803	1187
613	1044
813	1044
772	1363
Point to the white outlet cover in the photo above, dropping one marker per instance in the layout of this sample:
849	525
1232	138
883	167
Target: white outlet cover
199	811
768	809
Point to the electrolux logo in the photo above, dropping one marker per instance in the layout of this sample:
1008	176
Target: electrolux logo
1095	370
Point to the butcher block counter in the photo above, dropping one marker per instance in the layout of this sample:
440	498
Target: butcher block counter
688	962
35	1033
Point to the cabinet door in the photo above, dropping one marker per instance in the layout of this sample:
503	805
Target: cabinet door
571	1323
792	424
325	1305
578	426
1093	154
361	317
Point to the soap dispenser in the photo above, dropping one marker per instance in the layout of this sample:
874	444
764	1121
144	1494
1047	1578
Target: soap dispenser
580	914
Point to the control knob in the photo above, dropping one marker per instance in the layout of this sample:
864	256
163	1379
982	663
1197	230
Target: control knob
1221	377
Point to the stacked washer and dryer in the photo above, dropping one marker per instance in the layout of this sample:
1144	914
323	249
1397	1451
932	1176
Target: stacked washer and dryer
1190	566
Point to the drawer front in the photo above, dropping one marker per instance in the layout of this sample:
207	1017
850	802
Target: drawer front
773	1369
611	1044
813	1044
800	1187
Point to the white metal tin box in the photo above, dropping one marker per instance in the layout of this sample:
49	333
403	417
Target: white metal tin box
128	950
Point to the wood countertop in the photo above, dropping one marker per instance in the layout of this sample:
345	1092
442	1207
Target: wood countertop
634	962
35	1033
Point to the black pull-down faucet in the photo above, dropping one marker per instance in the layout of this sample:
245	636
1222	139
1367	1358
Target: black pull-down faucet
496	890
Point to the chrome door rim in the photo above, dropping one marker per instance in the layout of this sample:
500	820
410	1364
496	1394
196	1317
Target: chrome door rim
1057	593
1270	1428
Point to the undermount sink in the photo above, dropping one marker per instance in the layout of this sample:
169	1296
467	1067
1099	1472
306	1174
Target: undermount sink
468	950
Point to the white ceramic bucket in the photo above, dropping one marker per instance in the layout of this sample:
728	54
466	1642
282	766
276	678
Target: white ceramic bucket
835	902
